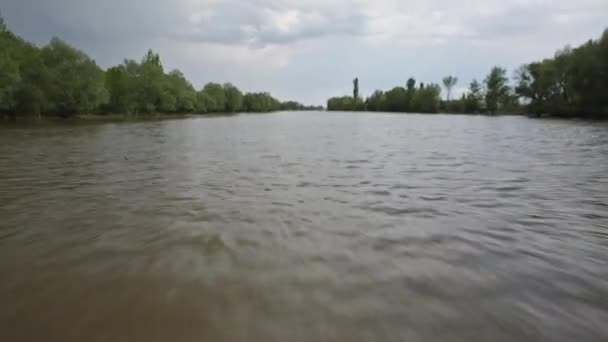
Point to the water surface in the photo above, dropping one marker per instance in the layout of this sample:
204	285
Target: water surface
305	227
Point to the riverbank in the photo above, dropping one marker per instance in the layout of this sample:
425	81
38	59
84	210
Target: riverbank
100	118
84	119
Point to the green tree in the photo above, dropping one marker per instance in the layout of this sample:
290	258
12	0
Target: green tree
204	102
217	96
411	84
573	82
497	89
234	98
411	91
294	105
426	100
149	83
474	97
134	97
261	102
396	100
60	79
356	89
345	103
76	83
30	97
376	102
178	94
10	77
117	85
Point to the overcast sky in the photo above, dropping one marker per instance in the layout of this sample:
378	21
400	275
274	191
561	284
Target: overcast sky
308	50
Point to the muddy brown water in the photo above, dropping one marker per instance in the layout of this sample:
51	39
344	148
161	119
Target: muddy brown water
305	227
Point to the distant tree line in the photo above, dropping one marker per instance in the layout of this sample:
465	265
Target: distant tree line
573	83
493	96
58	79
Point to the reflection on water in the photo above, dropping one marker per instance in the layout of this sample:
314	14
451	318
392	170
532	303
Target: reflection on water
305	227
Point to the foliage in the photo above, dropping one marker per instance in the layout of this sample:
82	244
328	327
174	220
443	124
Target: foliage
426	100
58	79
180	95
497	89
234	98
398	99
376	102
474	98
344	103
260	103
10	76
572	83
293	105
217	97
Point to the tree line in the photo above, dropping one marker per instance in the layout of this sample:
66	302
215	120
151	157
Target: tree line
58	79
493	96
573	83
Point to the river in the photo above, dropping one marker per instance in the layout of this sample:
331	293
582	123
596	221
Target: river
305	227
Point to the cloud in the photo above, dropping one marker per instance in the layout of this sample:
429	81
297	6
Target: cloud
261	23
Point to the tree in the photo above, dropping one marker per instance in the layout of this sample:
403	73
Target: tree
356	89
31	97
411	84
204	102
22	76
10	77
76	82
396	100
234	98
261	102
217	96
59	79
293	105
449	82
473	98
178	94
117	85
345	103
149	84
496	89
411	90
426	100
376	102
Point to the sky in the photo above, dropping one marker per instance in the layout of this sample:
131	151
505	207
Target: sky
309	50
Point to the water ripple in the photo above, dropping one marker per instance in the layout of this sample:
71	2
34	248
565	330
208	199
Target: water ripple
305	227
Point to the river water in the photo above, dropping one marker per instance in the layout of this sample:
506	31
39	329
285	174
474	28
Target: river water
305	227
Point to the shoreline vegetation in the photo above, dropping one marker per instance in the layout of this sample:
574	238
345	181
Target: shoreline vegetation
574	84
60	81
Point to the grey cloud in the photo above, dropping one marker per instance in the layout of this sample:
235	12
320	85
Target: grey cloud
223	22
257	22
89	19
514	22
522	19
232	22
